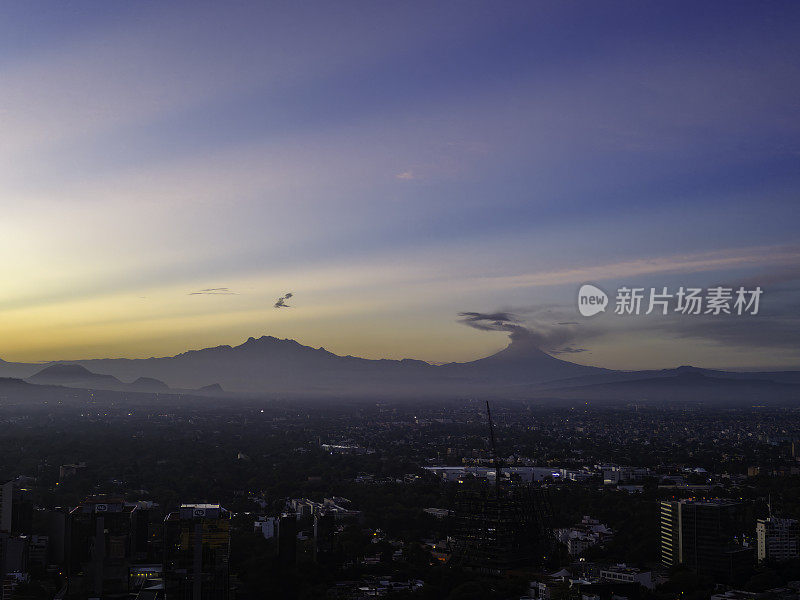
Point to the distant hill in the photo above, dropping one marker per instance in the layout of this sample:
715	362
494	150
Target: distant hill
268	366
9	383
686	385
214	388
73	375
21	397
149	384
19	370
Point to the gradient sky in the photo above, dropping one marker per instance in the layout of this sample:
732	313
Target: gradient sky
392	165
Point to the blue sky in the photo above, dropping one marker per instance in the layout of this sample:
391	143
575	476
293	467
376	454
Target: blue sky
394	164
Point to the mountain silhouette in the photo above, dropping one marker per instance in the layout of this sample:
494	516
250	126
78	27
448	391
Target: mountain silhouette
269	366
688	384
149	384
214	388
284	366
73	375
518	363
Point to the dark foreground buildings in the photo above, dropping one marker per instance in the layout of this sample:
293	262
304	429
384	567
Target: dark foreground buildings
196	553
707	537
114	548
98	546
501	527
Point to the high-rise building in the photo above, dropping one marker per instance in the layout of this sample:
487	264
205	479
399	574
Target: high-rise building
37	552
16	509
196	552
98	548
707	537
13	554
147	522
778	539
57	535
287	539
6	506
324	536
670	534
500	527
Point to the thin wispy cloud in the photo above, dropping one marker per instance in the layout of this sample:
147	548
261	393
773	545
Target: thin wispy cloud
569	350
218	291
719	260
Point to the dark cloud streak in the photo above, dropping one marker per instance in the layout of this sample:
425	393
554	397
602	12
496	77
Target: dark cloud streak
281	302
218	291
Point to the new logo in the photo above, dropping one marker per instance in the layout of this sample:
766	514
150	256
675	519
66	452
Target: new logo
591	300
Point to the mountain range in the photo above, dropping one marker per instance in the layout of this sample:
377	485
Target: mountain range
272	367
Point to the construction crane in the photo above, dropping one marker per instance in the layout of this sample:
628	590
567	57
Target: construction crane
495	461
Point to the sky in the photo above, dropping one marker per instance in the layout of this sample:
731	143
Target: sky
168	171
